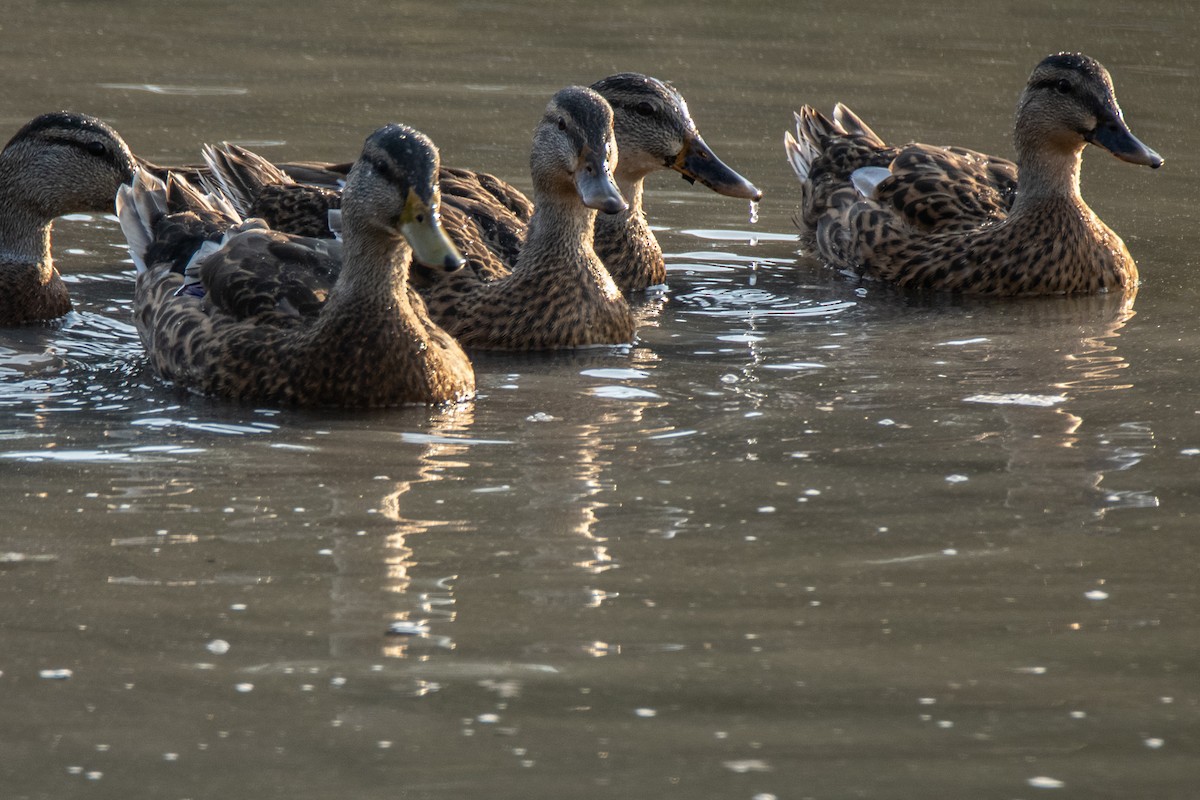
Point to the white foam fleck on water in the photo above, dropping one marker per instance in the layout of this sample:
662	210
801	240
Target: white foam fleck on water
1017	399
1096	594
613	374
744	765
218	647
1044	782
622	393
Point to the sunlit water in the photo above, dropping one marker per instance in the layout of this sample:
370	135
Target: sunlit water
808	538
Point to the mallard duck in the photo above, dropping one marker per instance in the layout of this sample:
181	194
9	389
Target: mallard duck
60	163
247	316
956	220
255	187
558	294
654	131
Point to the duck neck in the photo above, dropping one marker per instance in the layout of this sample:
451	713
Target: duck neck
625	242
374	275
1048	176
24	225
559	244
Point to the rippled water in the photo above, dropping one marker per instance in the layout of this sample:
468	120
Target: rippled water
806	539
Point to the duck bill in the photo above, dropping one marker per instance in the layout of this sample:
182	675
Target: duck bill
595	185
697	162
1115	137
422	227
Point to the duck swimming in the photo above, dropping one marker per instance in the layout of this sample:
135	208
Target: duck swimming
952	219
558	294
654	130
59	163
244	312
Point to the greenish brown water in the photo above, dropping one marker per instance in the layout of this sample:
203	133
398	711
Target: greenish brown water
802	541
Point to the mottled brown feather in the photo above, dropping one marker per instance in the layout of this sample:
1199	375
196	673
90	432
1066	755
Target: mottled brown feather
269	317
953	219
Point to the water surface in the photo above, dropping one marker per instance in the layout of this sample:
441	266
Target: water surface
806	539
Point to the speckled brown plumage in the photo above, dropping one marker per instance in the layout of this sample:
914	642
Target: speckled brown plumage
953	219
258	188
558	293
251	320
654	131
57	164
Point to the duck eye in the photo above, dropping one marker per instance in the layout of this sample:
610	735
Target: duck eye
644	108
562	124
1063	86
381	168
96	148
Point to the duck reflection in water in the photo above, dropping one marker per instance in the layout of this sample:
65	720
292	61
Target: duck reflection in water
1057	461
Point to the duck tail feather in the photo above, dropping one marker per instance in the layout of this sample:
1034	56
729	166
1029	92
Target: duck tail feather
240	174
140	206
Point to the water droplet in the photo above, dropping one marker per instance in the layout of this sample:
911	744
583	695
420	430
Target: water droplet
753	213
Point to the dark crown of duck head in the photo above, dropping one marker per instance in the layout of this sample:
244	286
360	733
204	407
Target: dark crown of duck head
583	115
1049	73
640	94
56	127
403	155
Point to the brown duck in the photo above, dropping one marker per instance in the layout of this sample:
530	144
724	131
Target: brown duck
60	163
244	312
558	294
953	219
654	130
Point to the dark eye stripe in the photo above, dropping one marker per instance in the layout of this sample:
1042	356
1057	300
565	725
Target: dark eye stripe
110	154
